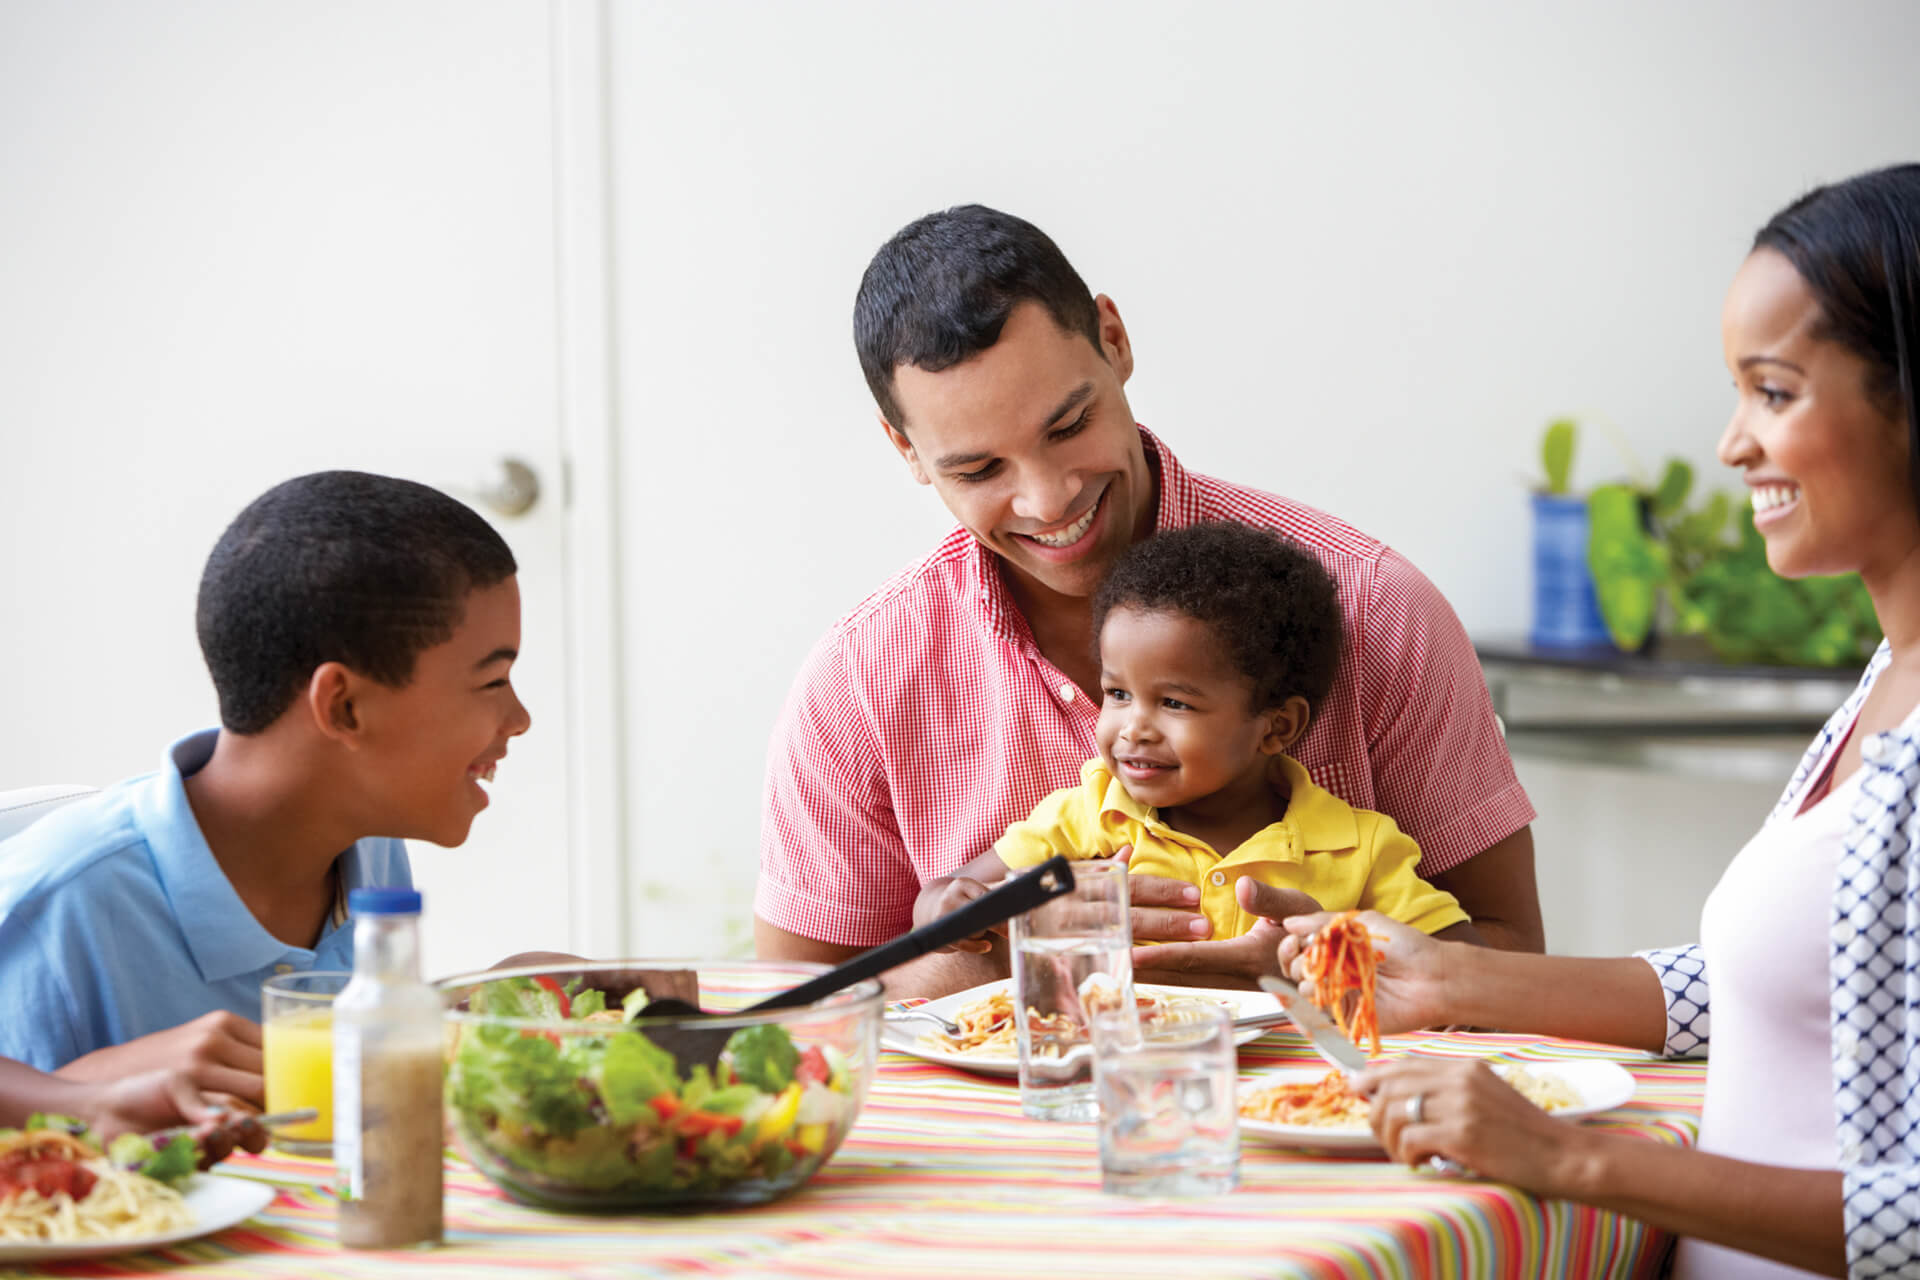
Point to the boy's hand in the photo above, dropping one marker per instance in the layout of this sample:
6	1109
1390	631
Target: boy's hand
168	1099
218	1052
949	894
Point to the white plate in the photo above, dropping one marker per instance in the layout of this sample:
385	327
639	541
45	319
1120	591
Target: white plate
216	1203
905	1036
1602	1086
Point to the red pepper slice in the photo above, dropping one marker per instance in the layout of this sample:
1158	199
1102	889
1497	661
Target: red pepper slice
812	1066
553	984
696	1124
665	1105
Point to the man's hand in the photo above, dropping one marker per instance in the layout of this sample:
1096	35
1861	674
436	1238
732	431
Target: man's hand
946	895
1235	962
218	1052
1163	910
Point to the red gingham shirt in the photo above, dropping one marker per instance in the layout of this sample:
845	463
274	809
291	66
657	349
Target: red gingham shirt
927	720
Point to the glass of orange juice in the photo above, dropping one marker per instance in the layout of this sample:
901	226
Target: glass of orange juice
296	1011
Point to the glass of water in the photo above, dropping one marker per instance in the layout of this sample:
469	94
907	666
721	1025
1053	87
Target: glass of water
1072	958
1169	1106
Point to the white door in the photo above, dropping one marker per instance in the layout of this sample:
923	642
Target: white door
244	241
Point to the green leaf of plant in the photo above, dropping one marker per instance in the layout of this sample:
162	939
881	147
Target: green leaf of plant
1556	454
1671	493
1629	567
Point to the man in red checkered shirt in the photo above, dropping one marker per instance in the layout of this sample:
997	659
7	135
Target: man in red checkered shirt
966	688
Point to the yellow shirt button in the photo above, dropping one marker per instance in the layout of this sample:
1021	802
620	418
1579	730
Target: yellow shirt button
1219	877
283	968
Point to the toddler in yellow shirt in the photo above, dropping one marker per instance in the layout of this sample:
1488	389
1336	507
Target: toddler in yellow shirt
1215	643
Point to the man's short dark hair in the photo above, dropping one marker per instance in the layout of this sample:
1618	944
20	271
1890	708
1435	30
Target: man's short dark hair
940	291
1270	603
338	566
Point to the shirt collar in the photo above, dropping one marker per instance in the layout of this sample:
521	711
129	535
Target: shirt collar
221	933
1322	821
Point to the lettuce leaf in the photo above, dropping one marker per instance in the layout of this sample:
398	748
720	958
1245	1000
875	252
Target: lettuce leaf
172	1164
634	1072
763	1056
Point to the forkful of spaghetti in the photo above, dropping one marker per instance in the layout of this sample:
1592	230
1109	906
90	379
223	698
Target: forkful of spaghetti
1341	961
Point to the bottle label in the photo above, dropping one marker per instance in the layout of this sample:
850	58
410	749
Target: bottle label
346	1113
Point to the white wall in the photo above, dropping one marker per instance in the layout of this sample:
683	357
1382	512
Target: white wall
240	241
1365	251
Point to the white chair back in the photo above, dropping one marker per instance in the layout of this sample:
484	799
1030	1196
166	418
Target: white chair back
21	809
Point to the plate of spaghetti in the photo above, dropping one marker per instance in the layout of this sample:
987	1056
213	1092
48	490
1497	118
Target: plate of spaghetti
985	1017
62	1197
1313	1107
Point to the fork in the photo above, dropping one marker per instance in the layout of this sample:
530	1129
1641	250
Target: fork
951	1028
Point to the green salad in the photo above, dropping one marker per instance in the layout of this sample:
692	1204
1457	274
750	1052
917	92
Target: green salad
583	1115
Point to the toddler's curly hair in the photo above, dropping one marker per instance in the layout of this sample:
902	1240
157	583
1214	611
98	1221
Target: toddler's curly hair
1270	603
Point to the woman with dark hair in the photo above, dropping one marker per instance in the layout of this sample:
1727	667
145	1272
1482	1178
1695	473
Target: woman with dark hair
1809	1153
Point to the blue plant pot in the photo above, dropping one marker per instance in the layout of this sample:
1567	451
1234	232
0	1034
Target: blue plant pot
1566	613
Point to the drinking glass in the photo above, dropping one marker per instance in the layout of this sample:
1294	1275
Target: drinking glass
1169	1106
296	1035
1072	956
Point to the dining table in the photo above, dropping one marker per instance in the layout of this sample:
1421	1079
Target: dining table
943	1177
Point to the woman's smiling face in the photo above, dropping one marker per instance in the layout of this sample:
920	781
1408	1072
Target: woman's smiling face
1827	466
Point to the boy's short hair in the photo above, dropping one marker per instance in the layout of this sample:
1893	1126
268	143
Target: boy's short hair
940	291
1271	604
337	566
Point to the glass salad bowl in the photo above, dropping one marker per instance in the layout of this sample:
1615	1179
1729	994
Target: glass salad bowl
563	1092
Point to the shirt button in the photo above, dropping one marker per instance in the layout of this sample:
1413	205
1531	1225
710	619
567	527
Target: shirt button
1874	750
283	968
1067	691
1219	877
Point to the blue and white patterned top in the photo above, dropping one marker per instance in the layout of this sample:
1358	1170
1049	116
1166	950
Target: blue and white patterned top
1874	979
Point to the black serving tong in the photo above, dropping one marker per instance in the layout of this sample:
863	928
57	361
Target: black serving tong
694	1044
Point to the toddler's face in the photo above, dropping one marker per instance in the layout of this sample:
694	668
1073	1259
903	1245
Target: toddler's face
1176	718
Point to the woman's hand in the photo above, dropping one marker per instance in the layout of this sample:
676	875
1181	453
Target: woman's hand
1233	962
1462	1111
1409	980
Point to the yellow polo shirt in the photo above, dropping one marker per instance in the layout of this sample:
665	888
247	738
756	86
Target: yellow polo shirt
1344	858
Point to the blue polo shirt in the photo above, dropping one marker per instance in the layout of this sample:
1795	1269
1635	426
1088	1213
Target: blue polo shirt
115	920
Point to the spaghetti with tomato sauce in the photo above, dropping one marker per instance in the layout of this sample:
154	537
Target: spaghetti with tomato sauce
54	1188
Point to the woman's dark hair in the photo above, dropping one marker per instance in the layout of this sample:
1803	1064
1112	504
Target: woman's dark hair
940	291
338	566
1270	604
1857	245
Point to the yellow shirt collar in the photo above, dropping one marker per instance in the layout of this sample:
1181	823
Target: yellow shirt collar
1323	820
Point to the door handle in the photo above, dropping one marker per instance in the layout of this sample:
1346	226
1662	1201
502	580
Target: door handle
511	490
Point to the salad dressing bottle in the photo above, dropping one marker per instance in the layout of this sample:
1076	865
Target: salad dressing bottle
387	1056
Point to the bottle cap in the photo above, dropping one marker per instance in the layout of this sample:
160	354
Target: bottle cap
384	902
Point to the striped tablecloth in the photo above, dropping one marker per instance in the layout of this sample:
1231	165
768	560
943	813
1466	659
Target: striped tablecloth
943	1177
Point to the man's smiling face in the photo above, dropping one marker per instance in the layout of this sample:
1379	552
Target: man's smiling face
1032	446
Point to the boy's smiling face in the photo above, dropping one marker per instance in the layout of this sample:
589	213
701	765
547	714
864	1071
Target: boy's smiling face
427	747
1177	725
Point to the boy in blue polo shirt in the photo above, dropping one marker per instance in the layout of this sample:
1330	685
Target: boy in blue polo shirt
360	632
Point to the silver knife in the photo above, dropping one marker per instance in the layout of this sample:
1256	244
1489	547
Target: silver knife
1327	1039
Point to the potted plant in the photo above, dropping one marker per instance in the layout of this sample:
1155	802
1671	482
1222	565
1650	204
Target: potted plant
1702	571
1566	609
